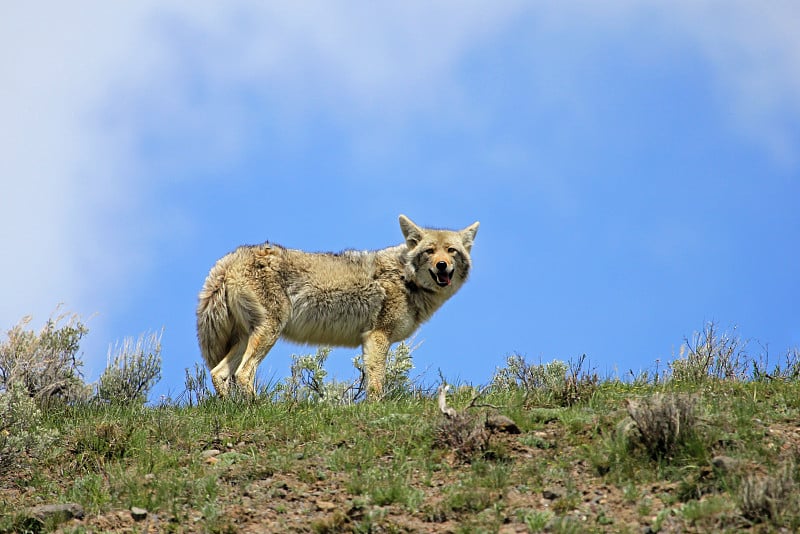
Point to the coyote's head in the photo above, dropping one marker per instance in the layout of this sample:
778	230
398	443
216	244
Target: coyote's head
437	260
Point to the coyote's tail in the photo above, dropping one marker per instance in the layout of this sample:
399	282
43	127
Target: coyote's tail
215	323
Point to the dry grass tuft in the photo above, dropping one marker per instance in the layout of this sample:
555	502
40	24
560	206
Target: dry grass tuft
764	498
464	434
662	423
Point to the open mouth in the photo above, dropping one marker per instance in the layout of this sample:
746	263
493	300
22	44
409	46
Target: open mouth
442	278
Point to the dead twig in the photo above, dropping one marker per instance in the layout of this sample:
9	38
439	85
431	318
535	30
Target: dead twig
478	395
443	407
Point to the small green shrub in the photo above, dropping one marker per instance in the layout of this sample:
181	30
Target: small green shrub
45	363
306	383
535	520
578	386
711	355
520	374
196	384
788	370
22	435
134	368
399	365
556	382
308	379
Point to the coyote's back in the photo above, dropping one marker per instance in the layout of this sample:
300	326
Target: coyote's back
257	294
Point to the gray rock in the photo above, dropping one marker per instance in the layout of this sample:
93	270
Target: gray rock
325	506
138	514
501	423
724	463
57	513
551	494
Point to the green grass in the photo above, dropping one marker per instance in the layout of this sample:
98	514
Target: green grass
374	466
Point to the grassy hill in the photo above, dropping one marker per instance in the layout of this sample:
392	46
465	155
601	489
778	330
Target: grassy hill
265	466
711	444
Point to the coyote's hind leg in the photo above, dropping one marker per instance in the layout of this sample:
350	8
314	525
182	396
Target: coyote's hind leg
221	373
260	342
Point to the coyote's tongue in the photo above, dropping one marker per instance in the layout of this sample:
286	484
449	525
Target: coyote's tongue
440	277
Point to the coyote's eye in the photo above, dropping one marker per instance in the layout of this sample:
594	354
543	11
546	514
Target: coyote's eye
452	250
430	251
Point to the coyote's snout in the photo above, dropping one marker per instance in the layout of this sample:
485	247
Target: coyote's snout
443	273
257	294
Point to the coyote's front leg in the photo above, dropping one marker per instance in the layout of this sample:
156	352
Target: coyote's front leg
376	349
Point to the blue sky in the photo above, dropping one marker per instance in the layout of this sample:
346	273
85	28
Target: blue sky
635	166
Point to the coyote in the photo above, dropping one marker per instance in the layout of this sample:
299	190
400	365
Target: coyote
257	294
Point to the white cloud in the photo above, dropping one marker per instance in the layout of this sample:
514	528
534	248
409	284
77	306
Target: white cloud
75	76
754	49
359	65
54	71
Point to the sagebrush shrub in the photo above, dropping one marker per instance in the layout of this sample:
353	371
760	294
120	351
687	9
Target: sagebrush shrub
22	435
46	363
133	369
662	423
518	373
196	384
578	385
788	370
766	497
557	382
711	355
398	370
308	382
399	365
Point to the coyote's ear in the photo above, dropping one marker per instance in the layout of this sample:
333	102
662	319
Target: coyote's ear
468	235
411	232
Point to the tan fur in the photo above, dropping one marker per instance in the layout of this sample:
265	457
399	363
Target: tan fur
257	294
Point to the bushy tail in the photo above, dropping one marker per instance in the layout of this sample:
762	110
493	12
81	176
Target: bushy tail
215	323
